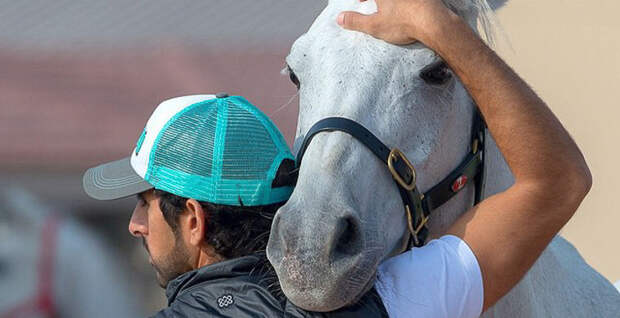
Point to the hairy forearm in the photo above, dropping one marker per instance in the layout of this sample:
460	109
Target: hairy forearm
551	176
533	141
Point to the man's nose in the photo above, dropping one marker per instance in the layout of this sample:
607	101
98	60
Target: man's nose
138	224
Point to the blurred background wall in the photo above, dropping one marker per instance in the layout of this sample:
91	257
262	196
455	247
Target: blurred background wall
569	52
78	80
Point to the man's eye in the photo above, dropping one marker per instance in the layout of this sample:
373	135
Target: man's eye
293	77
141	201
436	74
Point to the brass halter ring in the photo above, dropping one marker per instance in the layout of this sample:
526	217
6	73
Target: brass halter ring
396	154
412	230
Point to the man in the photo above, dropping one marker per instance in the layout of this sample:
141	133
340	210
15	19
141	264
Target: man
210	172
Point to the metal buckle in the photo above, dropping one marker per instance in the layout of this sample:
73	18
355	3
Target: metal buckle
410	221
397	154
414	233
421	225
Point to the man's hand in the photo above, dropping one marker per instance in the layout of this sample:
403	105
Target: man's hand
399	21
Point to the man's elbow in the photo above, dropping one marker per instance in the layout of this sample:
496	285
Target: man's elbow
582	181
575	183
581	177
565	182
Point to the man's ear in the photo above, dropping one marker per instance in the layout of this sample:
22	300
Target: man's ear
195	222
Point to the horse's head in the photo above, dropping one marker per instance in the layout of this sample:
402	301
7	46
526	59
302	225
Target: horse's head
345	215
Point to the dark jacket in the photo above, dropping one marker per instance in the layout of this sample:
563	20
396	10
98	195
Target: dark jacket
239	288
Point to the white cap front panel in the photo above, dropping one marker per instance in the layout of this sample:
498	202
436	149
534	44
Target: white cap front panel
162	115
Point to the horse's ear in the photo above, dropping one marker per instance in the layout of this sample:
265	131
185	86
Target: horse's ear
496	4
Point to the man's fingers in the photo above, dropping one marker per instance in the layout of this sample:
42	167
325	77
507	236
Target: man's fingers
356	21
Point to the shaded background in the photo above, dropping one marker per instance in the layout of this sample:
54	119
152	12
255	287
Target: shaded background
569	52
78	80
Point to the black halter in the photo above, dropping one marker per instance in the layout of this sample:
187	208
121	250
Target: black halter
404	174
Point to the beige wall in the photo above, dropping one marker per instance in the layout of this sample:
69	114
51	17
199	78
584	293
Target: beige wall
569	52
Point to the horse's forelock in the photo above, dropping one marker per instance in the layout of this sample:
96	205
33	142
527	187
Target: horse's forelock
478	13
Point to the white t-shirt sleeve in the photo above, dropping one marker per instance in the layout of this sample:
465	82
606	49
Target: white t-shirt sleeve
440	279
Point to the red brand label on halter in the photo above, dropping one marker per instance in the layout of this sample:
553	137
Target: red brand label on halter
459	183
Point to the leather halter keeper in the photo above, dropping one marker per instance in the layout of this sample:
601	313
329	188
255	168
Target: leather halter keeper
418	207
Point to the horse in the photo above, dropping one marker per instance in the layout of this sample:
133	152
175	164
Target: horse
345	215
50	266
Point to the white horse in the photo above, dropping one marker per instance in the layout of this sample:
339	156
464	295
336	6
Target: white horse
346	216
52	267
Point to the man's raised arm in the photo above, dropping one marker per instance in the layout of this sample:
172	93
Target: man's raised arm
508	231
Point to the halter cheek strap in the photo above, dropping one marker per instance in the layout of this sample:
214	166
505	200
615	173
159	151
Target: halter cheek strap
418	207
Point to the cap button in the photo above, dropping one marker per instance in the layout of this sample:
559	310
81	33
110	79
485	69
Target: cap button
221	95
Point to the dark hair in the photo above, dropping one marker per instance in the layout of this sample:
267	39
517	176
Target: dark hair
232	231
236	231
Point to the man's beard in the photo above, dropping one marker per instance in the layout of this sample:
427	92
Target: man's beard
170	266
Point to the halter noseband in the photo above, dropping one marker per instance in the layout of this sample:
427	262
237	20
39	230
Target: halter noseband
418	207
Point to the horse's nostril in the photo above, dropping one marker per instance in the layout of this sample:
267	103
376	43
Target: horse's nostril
348	239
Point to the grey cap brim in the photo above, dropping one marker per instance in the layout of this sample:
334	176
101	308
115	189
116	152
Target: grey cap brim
113	180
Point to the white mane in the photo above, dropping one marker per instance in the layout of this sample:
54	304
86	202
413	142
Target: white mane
480	14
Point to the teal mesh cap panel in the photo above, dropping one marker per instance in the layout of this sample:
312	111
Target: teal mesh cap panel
241	160
223	151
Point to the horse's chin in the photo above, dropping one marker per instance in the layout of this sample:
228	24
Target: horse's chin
323	292
367	288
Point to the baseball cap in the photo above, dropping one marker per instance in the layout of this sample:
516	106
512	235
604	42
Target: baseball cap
214	148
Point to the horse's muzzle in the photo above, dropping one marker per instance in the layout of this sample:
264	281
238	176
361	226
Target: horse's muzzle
321	266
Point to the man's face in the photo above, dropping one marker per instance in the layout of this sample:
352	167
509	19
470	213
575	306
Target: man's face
167	251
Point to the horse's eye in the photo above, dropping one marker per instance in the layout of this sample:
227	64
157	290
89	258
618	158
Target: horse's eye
293	77
436	74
